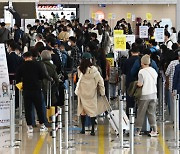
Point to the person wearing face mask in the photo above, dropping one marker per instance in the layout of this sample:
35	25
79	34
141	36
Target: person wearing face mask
32	37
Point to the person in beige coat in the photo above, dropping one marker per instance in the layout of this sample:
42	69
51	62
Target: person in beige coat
90	84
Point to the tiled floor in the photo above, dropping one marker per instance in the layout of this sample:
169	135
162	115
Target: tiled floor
105	142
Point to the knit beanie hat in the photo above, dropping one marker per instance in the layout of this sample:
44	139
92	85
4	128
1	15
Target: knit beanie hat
86	55
146	59
45	55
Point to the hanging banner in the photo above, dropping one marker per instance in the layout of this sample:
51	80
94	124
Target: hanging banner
159	34
143	31
133	17
119	41
93	15
128	15
109	15
4	89
130	39
148	16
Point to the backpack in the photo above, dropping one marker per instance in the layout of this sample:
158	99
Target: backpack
69	62
113	75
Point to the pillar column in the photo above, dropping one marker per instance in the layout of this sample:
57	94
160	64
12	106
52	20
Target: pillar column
178	15
84	12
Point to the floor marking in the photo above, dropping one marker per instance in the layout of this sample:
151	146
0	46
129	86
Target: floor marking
100	139
39	144
163	143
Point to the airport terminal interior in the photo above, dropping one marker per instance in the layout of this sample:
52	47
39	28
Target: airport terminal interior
89	77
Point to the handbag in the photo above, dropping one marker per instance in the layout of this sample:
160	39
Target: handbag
134	90
77	85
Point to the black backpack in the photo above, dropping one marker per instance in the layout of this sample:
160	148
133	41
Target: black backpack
69	63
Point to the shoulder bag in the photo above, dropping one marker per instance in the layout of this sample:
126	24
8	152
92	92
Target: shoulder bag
77	85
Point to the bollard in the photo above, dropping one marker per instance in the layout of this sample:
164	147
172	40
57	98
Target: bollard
60	128
54	133
177	120
66	120
131	116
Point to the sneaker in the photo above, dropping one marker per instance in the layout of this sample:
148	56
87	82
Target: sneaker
43	128
29	129
153	134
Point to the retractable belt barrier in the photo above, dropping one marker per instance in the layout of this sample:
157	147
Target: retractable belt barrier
13	141
176	121
55	129
131	133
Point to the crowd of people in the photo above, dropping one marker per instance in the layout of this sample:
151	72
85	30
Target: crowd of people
51	52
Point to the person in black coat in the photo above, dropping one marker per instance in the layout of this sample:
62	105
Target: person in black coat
13	63
31	74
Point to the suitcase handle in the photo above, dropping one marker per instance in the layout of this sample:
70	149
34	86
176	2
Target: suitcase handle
109	106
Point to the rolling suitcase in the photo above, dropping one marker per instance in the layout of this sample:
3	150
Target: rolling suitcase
50	109
113	116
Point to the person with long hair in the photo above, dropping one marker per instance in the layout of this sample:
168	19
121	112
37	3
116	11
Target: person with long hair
90	83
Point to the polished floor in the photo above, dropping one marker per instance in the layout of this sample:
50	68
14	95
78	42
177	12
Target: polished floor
105	141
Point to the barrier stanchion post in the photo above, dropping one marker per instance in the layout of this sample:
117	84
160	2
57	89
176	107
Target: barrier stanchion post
177	122
160	97
121	138
175	115
163	100
20	104
12	129
131	116
54	133
66	120
60	128
121	121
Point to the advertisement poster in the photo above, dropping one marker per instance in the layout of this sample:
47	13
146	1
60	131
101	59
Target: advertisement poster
130	39
159	34
119	41
143	31
4	89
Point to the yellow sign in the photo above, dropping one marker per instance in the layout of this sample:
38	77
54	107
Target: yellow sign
129	15
148	16
109	15
120	43
118	32
111	61
19	86
93	15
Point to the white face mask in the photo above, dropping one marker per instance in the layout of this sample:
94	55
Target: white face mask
69	43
